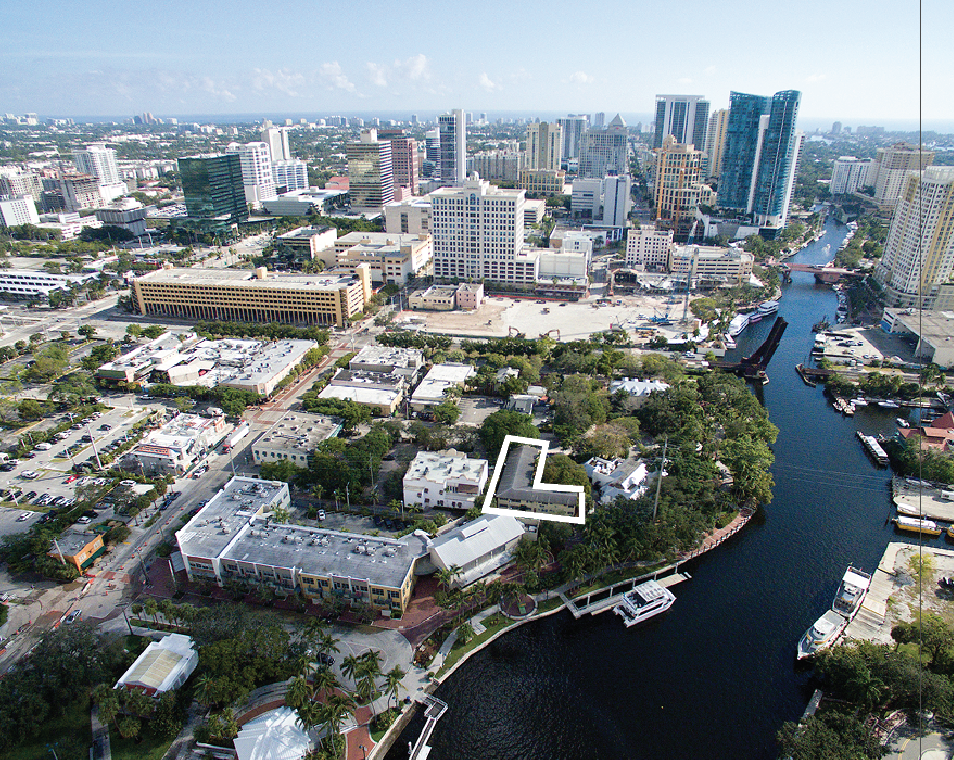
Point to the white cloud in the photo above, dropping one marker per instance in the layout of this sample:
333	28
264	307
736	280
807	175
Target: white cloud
485	82
817	77
334	78
413	69
416	67
581	77
684	80
283	80
377	74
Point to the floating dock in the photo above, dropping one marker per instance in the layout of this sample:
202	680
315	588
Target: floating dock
873	448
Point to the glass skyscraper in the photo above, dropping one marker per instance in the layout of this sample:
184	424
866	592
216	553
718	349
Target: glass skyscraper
761	151
213	187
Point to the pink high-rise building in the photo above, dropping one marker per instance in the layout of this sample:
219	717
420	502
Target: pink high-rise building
404	164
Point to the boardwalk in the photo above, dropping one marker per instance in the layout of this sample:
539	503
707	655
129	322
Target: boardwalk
433	710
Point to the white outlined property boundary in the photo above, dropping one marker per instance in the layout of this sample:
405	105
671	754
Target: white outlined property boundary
538	485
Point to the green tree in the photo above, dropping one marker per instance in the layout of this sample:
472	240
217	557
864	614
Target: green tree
447	412
503	423
87	331
30	409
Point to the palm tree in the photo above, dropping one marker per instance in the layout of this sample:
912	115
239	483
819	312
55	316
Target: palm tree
339	706
107	701
349	667
465	632
327	644
369	668
446	576
299	693
152	609
205	686
392	682
325	681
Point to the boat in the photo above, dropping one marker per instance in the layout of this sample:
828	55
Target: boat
851	594
859	401
949	533
873	447
738	324
889	404
643	602
821	635
766	307
917	525
729	343
902	423
821	325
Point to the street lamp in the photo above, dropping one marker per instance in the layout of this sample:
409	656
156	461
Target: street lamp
123	607
364	751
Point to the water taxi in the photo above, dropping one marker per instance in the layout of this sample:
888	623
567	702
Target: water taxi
643	602
917	525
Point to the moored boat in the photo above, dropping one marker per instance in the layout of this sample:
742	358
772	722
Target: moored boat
889	404
851	593
643	602
738	324
917	525
821	634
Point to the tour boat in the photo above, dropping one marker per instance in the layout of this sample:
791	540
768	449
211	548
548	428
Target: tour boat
738	324
766	307
643	602
889	404
854	587
916	525
903	423
821	635
949	533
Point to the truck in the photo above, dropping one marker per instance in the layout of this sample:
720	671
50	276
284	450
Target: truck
235	436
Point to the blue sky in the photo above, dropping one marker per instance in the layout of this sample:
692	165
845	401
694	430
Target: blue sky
857	62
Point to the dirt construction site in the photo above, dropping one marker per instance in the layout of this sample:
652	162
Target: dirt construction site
499	316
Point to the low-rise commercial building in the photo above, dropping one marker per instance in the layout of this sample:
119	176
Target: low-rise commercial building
542	181
77	548
932	329
164	665
378	377
27	283
476	549
409	216
329	298
393	259
125	213
293	438
176	445
533	211
233	541
309	243
648	248
308	202
706	265
445	479
438	382
467	295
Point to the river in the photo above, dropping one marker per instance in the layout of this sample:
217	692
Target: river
715	677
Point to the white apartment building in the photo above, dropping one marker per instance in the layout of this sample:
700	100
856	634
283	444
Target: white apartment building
17	182
18	210
99	161
707	264
848	174
411	215
616	200
918	257
605	150
649	248
291	173
587	201
890	169
445	479
478	234
715	142
453	148
256	164
276	138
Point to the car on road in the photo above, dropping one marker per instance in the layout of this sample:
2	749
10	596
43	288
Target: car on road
129	483
24	516
29	474
72	616
104	427
30	495
321	514
43	447
30	454
7	467
325	659
84	520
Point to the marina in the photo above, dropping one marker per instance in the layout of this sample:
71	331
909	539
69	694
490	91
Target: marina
873	448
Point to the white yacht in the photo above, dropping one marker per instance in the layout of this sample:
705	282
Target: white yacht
851	593
643	602
738	324
767	307
821	635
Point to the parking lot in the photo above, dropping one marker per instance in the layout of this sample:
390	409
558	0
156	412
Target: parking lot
53	465
475	409
10	522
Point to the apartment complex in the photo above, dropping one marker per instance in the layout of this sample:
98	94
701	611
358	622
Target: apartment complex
452	165
849	174
890	169
605	150
232	541
542	181
257	178
404	164
289	175
18	210
544	145
370	171
99	161
918	260
276	138
757	175
504	165
445	479
329	298
678	185
573	128
715	142
685	117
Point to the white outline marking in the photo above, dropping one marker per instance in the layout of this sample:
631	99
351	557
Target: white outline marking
538	485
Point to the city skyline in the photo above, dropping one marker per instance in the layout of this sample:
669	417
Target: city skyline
200	61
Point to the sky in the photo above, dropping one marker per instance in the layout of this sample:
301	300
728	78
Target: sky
853	61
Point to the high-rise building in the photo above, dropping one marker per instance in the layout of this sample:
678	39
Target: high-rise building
678	177
648	247
685	117
848	174
291	174
918	258
80	191
478	234
573	129
504	165
544	145
99	161
256	171
715	142
599	120
213	187
370	173
19	210
277	140
616	199
404	163
432	154
453	142
836	128
605	151
761	153
890	169
19	182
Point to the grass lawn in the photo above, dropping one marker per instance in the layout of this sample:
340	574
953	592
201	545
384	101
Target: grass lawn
459	650
129	749
550	604
70	736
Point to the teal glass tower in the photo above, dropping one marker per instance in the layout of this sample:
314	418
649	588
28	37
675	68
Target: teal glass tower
213	187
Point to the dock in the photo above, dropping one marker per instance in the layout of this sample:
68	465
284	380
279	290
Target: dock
873	448
916	499
434	708
606	598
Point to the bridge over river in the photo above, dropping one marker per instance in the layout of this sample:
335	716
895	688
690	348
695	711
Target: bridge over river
822	273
